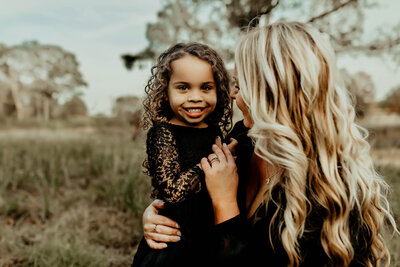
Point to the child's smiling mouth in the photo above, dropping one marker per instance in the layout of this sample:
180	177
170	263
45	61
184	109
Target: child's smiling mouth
194	111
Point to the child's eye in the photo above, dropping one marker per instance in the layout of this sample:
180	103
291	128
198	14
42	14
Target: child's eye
183	87
206	87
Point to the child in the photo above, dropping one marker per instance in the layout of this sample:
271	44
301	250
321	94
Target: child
187	105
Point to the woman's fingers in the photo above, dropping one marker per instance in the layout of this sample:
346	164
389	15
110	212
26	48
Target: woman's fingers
212	157
218	141
219	153
222	153
158	228
151	216
159	220
222	156
165	230
228	154
232	145
162	238
155	245
205	165
158	204
157	233
161	229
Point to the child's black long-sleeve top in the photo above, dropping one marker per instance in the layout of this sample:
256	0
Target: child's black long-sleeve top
173	152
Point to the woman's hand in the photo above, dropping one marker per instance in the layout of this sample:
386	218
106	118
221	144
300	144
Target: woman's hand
232	145
222	182
159	229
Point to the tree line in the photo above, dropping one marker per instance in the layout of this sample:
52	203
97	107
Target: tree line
33	79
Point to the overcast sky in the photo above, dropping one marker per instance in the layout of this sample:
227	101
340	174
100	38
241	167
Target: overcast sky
99	31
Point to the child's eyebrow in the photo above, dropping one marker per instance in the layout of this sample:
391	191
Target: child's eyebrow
179	82
183	82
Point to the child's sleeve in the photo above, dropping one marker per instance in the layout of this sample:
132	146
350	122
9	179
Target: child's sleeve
169	183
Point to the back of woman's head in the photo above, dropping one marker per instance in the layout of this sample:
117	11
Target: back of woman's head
304	124
156	105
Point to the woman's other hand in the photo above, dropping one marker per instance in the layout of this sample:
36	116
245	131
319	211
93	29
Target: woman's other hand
222	182
159	229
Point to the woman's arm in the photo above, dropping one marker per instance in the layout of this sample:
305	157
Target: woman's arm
159	229
232	233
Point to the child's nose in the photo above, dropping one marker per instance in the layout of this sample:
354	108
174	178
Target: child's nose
195	96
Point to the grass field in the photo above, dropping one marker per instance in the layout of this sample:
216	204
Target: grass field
74	197
70	197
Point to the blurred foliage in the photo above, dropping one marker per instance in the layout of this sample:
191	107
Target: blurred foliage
392	101
130	109
32	78
74	107
362	90
219	23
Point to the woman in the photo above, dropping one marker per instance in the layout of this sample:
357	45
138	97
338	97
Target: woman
314	198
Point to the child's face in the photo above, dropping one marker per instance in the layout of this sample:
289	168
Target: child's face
192	92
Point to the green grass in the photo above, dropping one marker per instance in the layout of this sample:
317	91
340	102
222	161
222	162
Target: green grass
70	200
392	176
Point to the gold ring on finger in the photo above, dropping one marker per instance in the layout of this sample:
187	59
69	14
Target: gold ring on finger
155	228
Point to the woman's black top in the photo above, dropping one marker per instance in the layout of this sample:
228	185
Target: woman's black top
172	154
243	241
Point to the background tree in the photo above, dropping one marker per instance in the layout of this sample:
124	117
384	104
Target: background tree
392	101
218	23
362	90
75	107
125	106
37	75
129	108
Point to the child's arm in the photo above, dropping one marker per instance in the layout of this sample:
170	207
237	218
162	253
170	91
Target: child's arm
169	182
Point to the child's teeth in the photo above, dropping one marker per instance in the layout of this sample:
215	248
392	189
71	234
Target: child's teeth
195	110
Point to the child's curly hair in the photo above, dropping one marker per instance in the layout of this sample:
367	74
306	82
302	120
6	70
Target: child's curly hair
156	105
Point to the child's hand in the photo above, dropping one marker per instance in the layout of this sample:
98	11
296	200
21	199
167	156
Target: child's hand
231	146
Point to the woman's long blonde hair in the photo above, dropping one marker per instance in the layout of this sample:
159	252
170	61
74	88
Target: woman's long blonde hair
304	125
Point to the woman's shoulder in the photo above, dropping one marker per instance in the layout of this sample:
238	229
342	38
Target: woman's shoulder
238	130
